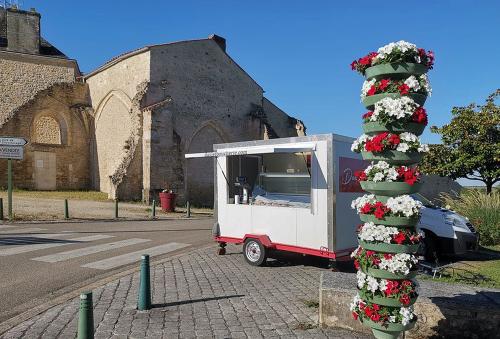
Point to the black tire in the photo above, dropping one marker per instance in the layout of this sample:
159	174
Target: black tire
254	252
430	248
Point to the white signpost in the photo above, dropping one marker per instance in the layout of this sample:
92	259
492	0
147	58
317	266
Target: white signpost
11	148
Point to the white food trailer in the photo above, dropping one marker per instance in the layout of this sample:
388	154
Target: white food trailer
288	194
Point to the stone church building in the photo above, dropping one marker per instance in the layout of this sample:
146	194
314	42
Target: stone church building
124	128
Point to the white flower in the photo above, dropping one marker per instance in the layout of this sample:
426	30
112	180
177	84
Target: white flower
397	108
406	315
361	278
392	174
424	148
366	87
370	232
401	46
371	284
410	137
378	177
358	143
358	203
404	205
413	83
403	147
425	82
355	302
400	263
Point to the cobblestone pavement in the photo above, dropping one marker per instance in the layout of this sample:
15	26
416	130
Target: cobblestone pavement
199	295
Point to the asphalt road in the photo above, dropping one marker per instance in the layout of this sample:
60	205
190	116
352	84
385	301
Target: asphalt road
39	262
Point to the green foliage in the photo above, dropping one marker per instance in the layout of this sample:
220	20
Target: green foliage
471	144
483	211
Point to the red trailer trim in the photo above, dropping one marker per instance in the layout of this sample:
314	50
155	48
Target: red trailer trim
264	239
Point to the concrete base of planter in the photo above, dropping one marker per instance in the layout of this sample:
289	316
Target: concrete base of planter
443	310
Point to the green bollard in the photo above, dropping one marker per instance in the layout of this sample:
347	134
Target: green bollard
188	208
66	209
153	210
86	317
144	298
1	209
116	208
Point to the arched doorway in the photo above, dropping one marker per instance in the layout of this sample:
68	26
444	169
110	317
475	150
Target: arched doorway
200	171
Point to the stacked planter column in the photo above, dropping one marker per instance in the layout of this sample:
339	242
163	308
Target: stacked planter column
384	190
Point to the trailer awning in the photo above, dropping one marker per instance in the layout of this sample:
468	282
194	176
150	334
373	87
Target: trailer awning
285	148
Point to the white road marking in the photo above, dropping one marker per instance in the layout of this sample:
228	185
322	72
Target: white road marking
129	258
80	252
36	247
5	226
22	230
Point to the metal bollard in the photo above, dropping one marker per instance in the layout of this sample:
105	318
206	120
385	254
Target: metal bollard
116	208
153	210
1	209
86	317
66	209
188	208
144	298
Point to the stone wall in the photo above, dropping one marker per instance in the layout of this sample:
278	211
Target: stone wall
23	76
211	102
112	91
443	310
67	104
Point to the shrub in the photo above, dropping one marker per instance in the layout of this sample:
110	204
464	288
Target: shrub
483	211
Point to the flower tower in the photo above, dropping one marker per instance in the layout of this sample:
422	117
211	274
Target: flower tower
394	92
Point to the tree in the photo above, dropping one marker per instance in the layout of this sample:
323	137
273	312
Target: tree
471	144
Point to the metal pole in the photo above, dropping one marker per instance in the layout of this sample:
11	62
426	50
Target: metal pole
66	209
188	208
1	209
116	208
153	209
9	188
144	299
86	317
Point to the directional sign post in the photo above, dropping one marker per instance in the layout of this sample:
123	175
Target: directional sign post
11	148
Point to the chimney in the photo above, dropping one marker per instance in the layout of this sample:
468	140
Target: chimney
23	30
218	40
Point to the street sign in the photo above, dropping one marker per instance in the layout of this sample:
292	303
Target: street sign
12	141
11	152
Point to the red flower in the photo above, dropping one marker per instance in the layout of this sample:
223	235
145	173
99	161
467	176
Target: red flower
355	315
403	89
405	299
387	256
375	317
379	213
368	311
366	209
384	83
410	177
394	139
367	115
420	116
375	261
354	64
372	90
360	175
376	307
399	238
356	264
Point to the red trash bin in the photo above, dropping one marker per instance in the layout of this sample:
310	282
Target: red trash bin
167	201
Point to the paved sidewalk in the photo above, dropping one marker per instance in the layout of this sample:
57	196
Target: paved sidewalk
199	295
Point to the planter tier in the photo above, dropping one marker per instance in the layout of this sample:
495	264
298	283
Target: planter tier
389	248
391	302
393	157
390	188
390	220
383	274
370	101
396	70
387	331
374	127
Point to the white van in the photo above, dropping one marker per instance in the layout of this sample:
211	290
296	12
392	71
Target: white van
446	232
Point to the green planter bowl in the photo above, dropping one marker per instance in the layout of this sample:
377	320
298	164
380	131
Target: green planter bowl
396	70
369	101
390	188
389	248
374	127
392	302
390	220
383	274
393	157
388	330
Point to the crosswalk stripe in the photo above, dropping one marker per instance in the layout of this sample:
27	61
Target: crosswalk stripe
36	247
129	258
22	230
80	252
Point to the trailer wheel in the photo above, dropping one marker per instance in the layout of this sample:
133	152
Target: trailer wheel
255	253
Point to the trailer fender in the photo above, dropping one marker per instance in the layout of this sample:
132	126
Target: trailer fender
264	239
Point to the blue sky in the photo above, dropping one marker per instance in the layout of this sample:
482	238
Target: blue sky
299	51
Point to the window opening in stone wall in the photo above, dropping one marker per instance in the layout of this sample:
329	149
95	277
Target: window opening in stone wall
47	131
